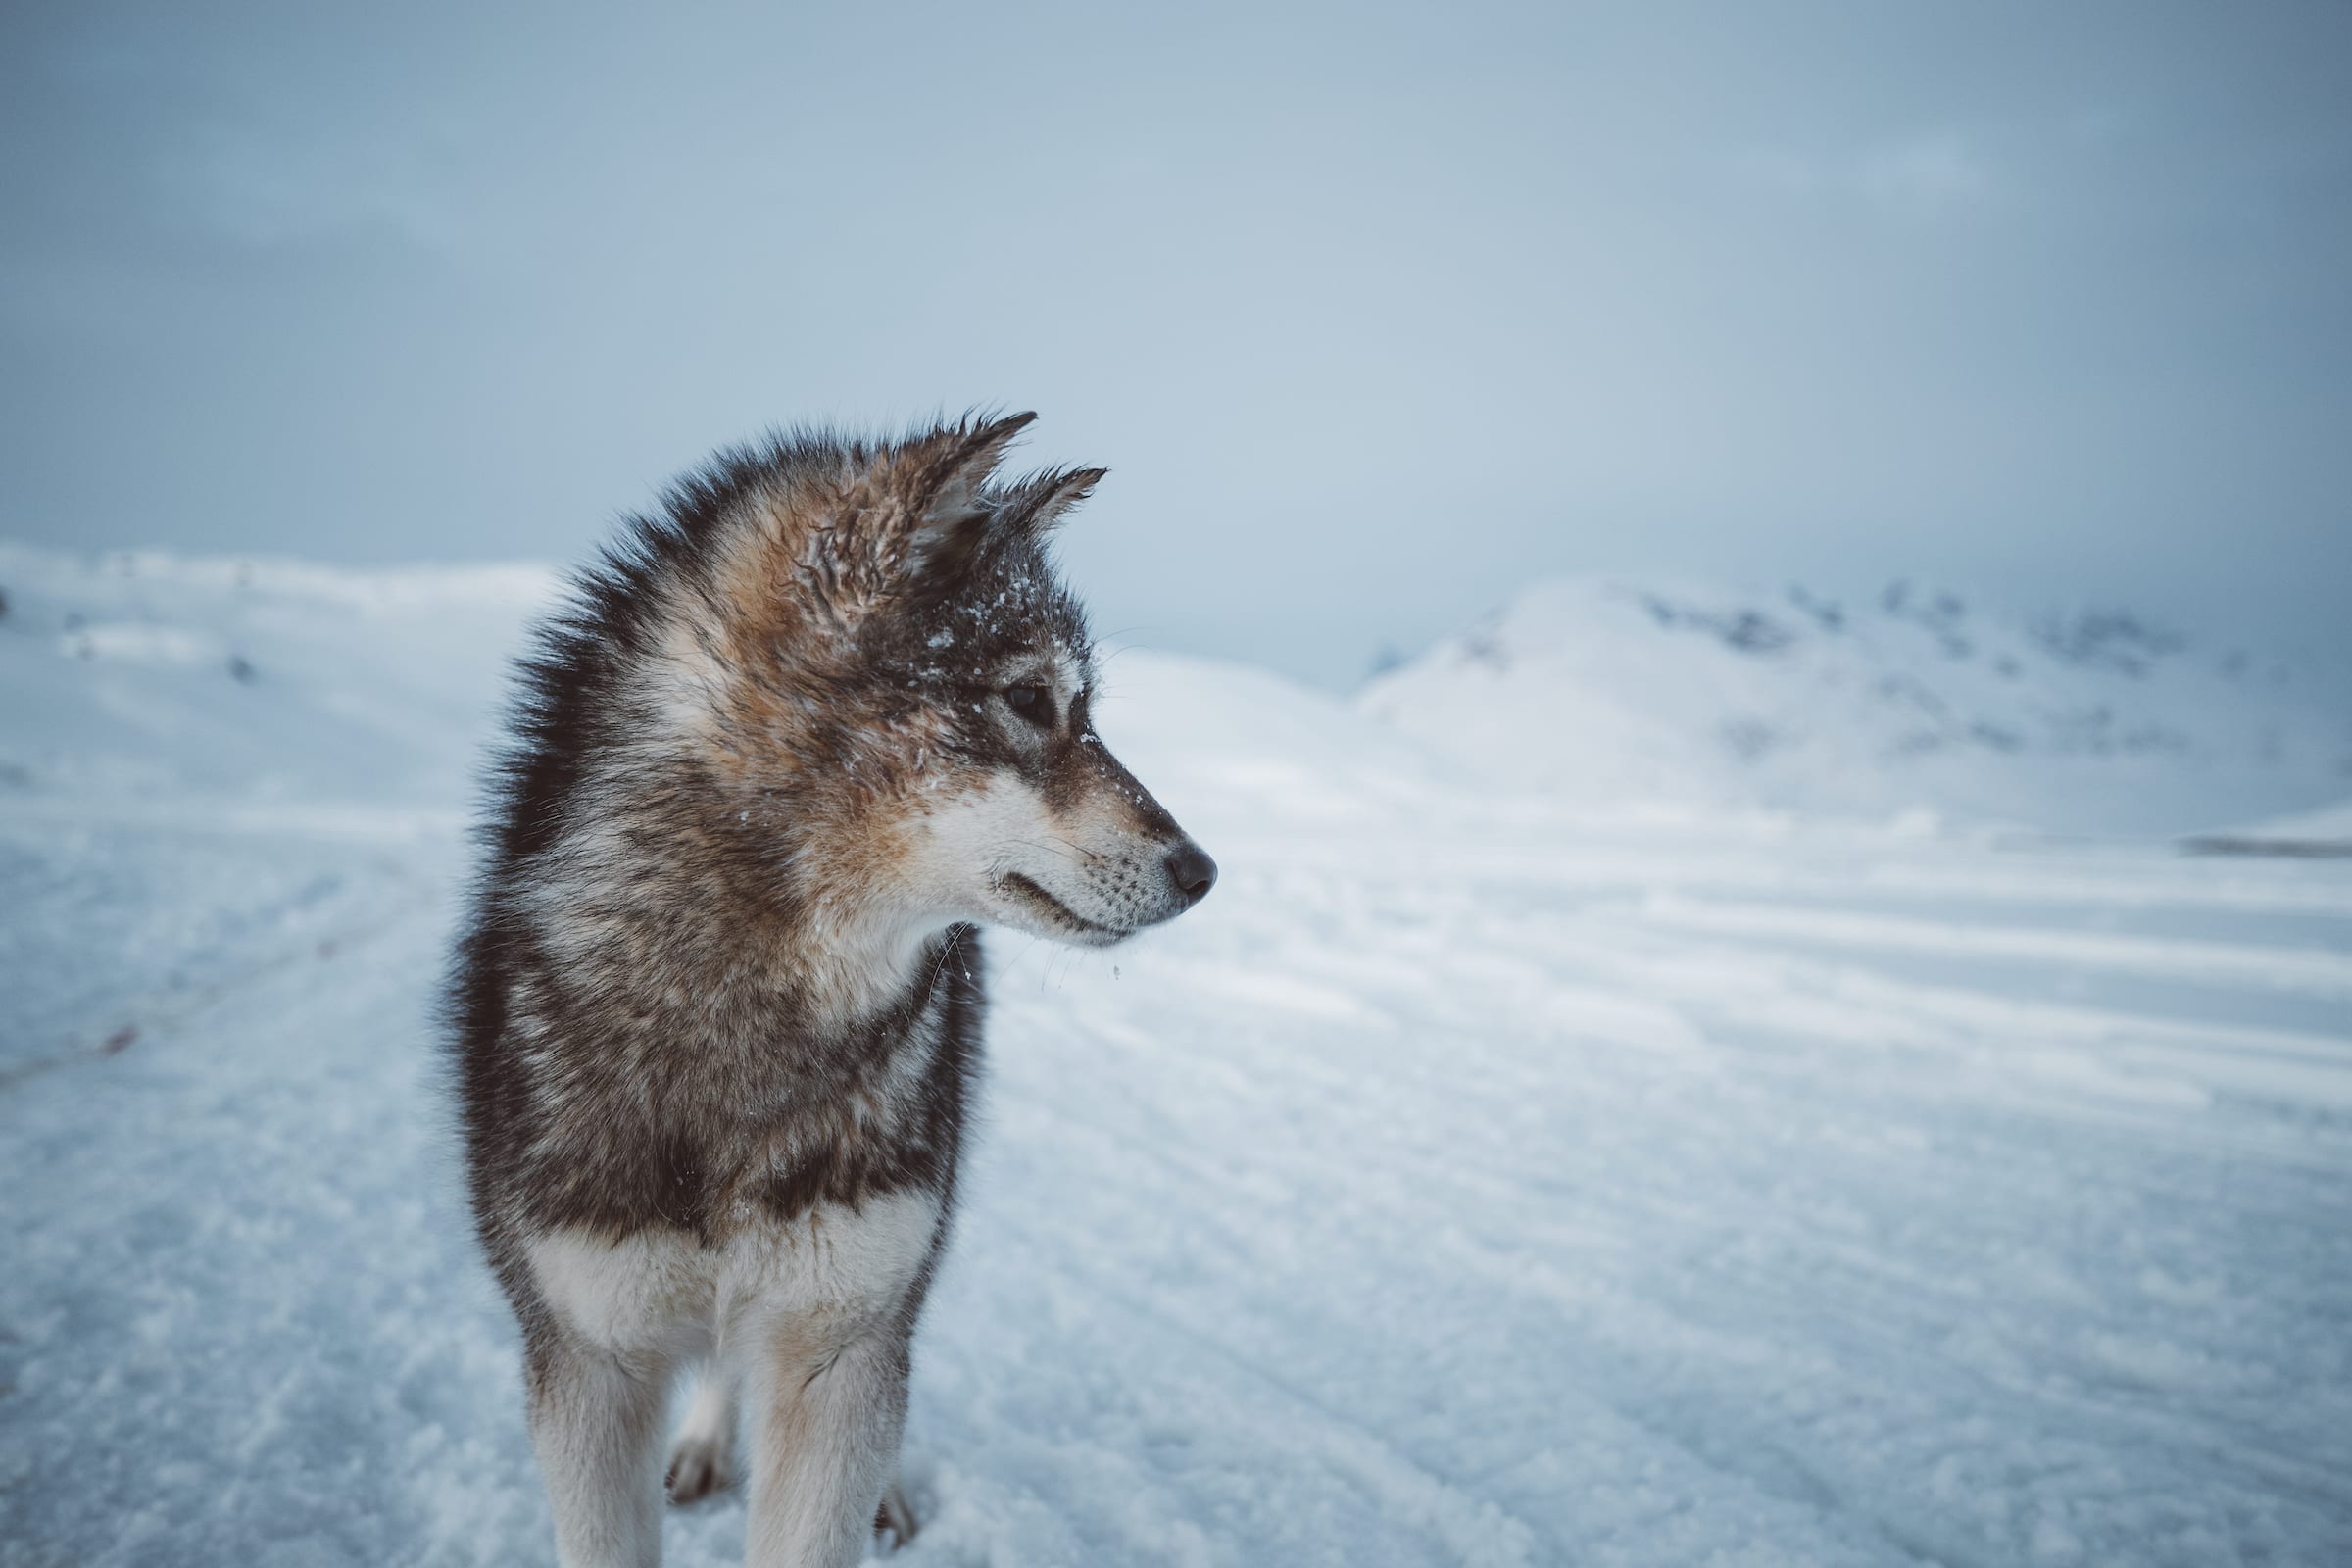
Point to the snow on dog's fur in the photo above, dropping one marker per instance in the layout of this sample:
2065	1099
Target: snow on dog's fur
717	1013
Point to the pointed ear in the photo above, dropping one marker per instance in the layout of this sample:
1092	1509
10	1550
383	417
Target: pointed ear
1040	503
946	518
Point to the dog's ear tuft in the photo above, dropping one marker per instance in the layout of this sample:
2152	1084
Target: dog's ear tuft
1039	503
949	514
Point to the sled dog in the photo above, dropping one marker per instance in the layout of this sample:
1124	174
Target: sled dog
716	1011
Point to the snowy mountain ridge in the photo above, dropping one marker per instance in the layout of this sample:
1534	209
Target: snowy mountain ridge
276	681
1601	689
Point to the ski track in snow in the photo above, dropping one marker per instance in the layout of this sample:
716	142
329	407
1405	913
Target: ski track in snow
1467	1181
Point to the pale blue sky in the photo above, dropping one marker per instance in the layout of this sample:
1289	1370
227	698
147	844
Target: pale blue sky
1375	312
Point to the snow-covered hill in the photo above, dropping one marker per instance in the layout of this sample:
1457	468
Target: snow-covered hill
2095	722
196	687
1471	1179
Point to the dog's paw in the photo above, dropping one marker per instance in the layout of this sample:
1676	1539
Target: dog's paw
697	1467
894	1521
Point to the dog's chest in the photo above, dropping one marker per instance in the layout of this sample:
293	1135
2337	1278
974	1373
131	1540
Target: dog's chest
660	1125
834	1140
670	1293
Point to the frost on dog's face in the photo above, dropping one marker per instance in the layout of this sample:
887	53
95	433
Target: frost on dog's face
920	727
1023	817
1031	822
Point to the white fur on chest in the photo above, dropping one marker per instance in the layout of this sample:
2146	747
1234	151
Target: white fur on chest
832	1273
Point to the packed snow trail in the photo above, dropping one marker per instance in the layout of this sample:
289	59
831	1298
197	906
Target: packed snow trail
1467	1181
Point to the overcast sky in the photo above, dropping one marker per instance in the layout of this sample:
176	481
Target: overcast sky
1375	313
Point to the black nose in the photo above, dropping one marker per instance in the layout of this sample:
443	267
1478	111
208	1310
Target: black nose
1190	868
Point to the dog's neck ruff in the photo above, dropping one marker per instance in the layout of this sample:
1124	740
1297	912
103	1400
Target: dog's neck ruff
859	965
702	918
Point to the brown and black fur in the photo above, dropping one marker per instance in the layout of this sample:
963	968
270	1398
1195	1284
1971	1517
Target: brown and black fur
719	997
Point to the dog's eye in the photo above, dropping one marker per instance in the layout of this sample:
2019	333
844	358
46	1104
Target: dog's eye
1032	702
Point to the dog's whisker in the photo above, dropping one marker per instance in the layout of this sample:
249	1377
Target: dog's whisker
1077	854
1062	847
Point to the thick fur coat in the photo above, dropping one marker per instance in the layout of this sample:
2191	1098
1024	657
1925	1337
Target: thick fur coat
716	1015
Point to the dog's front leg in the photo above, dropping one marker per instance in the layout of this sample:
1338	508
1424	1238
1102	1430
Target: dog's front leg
825	1426
596	1422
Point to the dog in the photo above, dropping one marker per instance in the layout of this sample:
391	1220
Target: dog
715	1014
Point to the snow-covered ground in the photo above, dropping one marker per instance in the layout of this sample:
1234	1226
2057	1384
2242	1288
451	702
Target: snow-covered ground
1479	1176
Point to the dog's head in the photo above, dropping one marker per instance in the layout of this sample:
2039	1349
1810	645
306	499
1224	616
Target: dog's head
892	684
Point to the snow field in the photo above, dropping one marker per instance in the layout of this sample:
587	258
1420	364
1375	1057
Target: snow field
1472	1179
